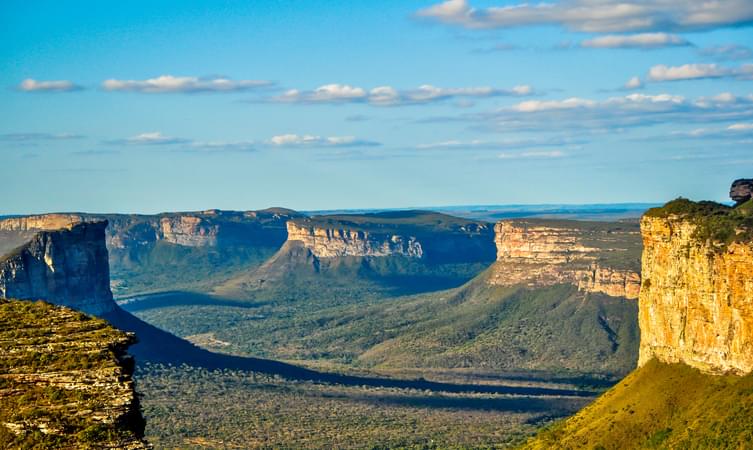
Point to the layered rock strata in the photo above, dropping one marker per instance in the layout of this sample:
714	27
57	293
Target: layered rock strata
68	267
696	303
544	253
332	243
65	380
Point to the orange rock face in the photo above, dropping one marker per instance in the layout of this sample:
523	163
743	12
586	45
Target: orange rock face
335	242
46	222
541	253
696	303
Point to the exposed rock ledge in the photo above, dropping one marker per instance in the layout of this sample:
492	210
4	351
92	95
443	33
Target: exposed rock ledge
534	253
65	381
696	304
331	242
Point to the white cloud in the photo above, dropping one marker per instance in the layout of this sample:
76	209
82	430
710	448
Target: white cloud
662	72
741	127
32	85
150	138
633	83
454	144
533	155
598	16
389	96
642	41
295	140
728	52
172	84
34	137
611	114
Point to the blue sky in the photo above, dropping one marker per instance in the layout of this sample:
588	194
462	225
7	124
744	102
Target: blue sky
184	105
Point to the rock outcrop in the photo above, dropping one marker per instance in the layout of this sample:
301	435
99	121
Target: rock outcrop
336	242
592	256
68	267
190	231
65	380
40	222
696	304
741	190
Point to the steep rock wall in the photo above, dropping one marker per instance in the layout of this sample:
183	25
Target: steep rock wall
541	253
68	267
331	243
696	303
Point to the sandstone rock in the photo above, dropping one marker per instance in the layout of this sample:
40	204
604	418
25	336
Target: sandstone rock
696	302
741	190
67	267
540	253
190	231
336	242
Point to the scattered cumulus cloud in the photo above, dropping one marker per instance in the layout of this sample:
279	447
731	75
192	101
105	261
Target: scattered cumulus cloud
390	96
152	138
612	114
296	140
662	72
173	84
641	41
32	85
633	83
156	138
603	16
455	144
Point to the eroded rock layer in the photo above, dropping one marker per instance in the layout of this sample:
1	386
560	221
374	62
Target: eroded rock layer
596	257
335	242
67	267
696	303
65	380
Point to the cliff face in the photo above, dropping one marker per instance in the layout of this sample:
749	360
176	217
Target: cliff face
594	257
191	231
331	243
68	267
40	222
65	380
696	304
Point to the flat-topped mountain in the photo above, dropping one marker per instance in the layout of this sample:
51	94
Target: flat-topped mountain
388	253
693	388
595	256
65	380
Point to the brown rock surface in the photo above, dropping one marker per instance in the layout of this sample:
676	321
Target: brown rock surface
696	303
545	253
335	242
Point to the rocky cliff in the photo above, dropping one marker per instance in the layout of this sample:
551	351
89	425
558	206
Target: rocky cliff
696	304
595	257
68	267
65	380
335	242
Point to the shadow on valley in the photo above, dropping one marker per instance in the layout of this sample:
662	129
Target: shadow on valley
159	346
179	298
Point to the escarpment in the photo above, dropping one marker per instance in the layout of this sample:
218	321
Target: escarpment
696	303
334	242
65	380
67	267
595	257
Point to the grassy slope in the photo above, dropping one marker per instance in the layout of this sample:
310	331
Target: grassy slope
661	406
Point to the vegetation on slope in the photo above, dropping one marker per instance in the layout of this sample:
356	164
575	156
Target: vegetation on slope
474	327
64	382
196	408
661	406
716	222
411	221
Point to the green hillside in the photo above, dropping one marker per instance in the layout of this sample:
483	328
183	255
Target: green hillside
661	406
